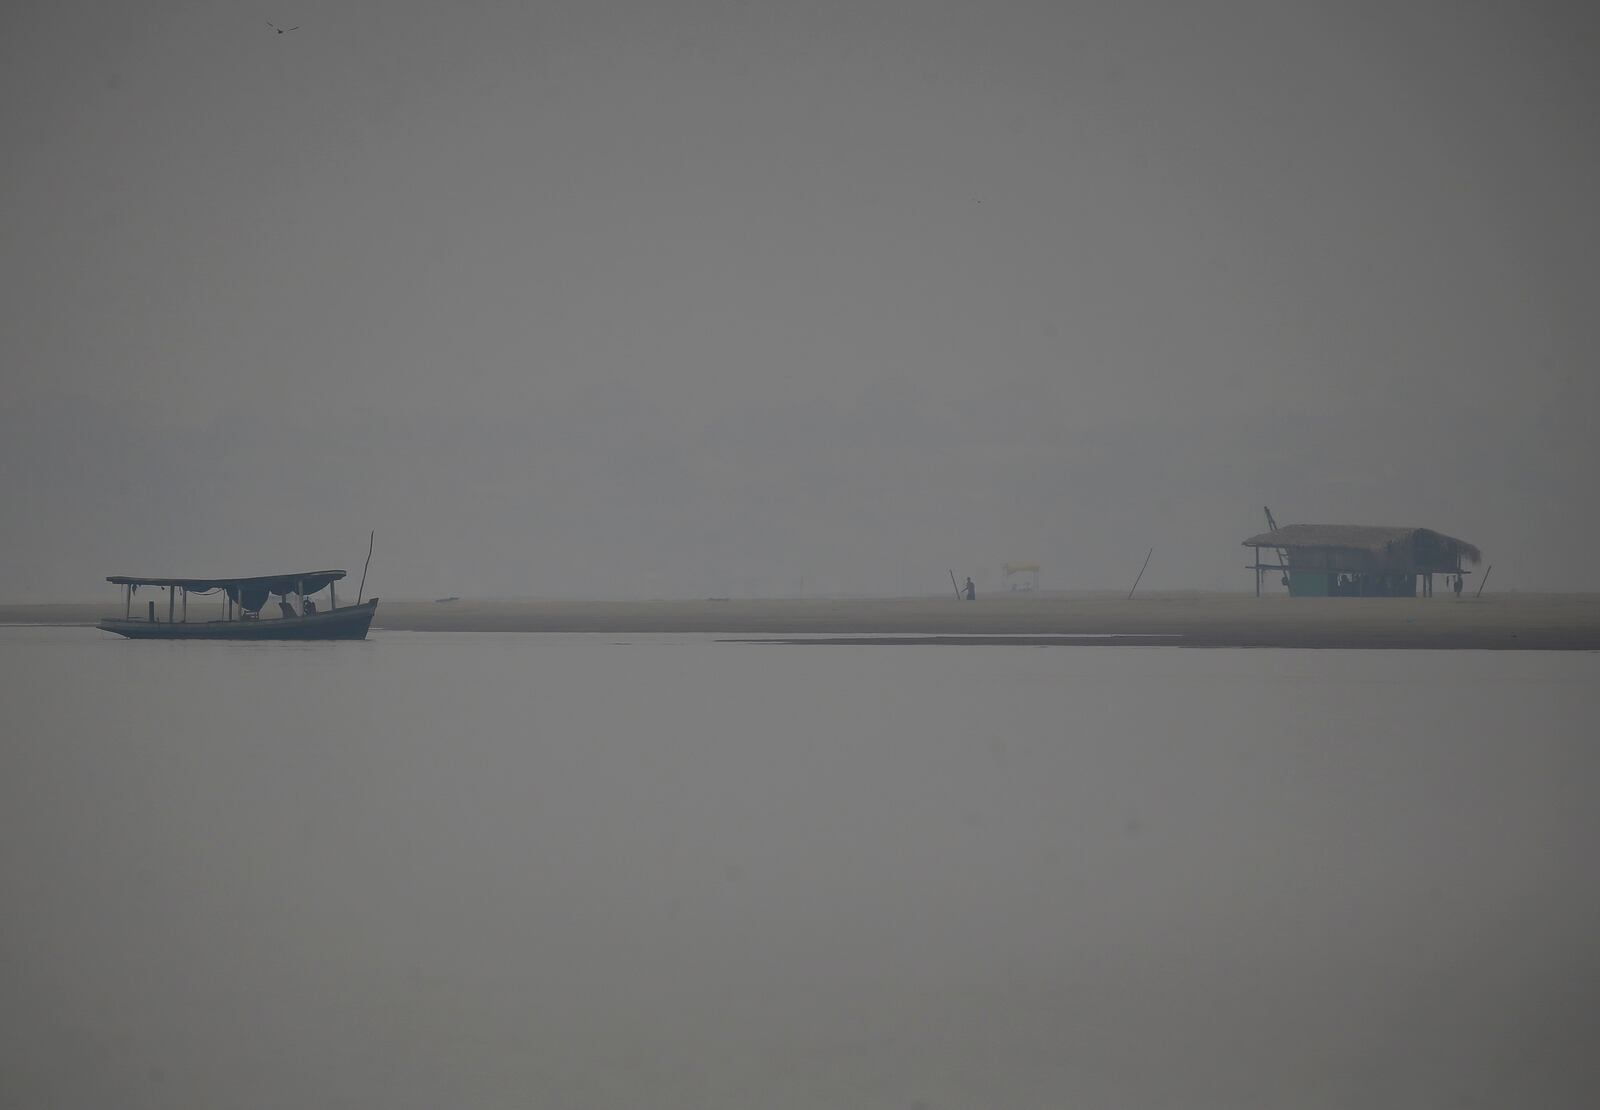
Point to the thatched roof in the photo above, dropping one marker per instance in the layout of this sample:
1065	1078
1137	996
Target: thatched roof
1376	538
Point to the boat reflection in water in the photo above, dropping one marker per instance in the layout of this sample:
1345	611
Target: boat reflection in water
243	599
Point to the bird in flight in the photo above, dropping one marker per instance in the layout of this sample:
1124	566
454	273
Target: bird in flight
282	30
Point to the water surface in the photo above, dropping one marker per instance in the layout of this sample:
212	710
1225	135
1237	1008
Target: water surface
496	870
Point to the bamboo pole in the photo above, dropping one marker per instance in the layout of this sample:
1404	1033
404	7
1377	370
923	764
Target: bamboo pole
363	587
1152	551
1483	583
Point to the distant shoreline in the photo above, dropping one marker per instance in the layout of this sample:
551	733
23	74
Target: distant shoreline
1542	622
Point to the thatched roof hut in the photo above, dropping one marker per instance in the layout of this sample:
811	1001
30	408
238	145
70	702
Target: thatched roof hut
1360	559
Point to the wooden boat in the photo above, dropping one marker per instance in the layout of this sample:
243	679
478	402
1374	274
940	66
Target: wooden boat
243	600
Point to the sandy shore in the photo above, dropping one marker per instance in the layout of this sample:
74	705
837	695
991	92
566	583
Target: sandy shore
1561	622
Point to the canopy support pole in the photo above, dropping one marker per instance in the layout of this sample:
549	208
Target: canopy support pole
186	605
172	597
127	603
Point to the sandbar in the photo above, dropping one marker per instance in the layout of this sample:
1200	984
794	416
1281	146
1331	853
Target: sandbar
1508	621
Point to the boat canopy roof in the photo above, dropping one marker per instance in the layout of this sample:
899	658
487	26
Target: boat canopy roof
306	581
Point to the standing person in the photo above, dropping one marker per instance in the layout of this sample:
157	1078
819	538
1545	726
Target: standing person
972	591
1457	587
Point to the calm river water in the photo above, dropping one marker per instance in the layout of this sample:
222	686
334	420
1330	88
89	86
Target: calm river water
478	870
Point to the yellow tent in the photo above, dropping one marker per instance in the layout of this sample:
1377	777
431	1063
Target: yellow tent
1030	569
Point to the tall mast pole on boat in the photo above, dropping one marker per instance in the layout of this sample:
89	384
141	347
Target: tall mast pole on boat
363	587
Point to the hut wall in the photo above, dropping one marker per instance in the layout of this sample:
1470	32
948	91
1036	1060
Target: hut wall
1389	585
1310	583
1346	559
1351	572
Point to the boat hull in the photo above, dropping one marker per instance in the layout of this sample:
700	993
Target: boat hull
348	622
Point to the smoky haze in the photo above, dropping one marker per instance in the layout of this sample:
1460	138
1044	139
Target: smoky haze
715	299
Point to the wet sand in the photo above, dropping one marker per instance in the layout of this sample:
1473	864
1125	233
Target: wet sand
1547	622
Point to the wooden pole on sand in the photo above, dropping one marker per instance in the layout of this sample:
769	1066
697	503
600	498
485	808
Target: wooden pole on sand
1147	555
1483	583
953	585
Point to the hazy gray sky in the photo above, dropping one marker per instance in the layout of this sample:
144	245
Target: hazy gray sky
720	298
